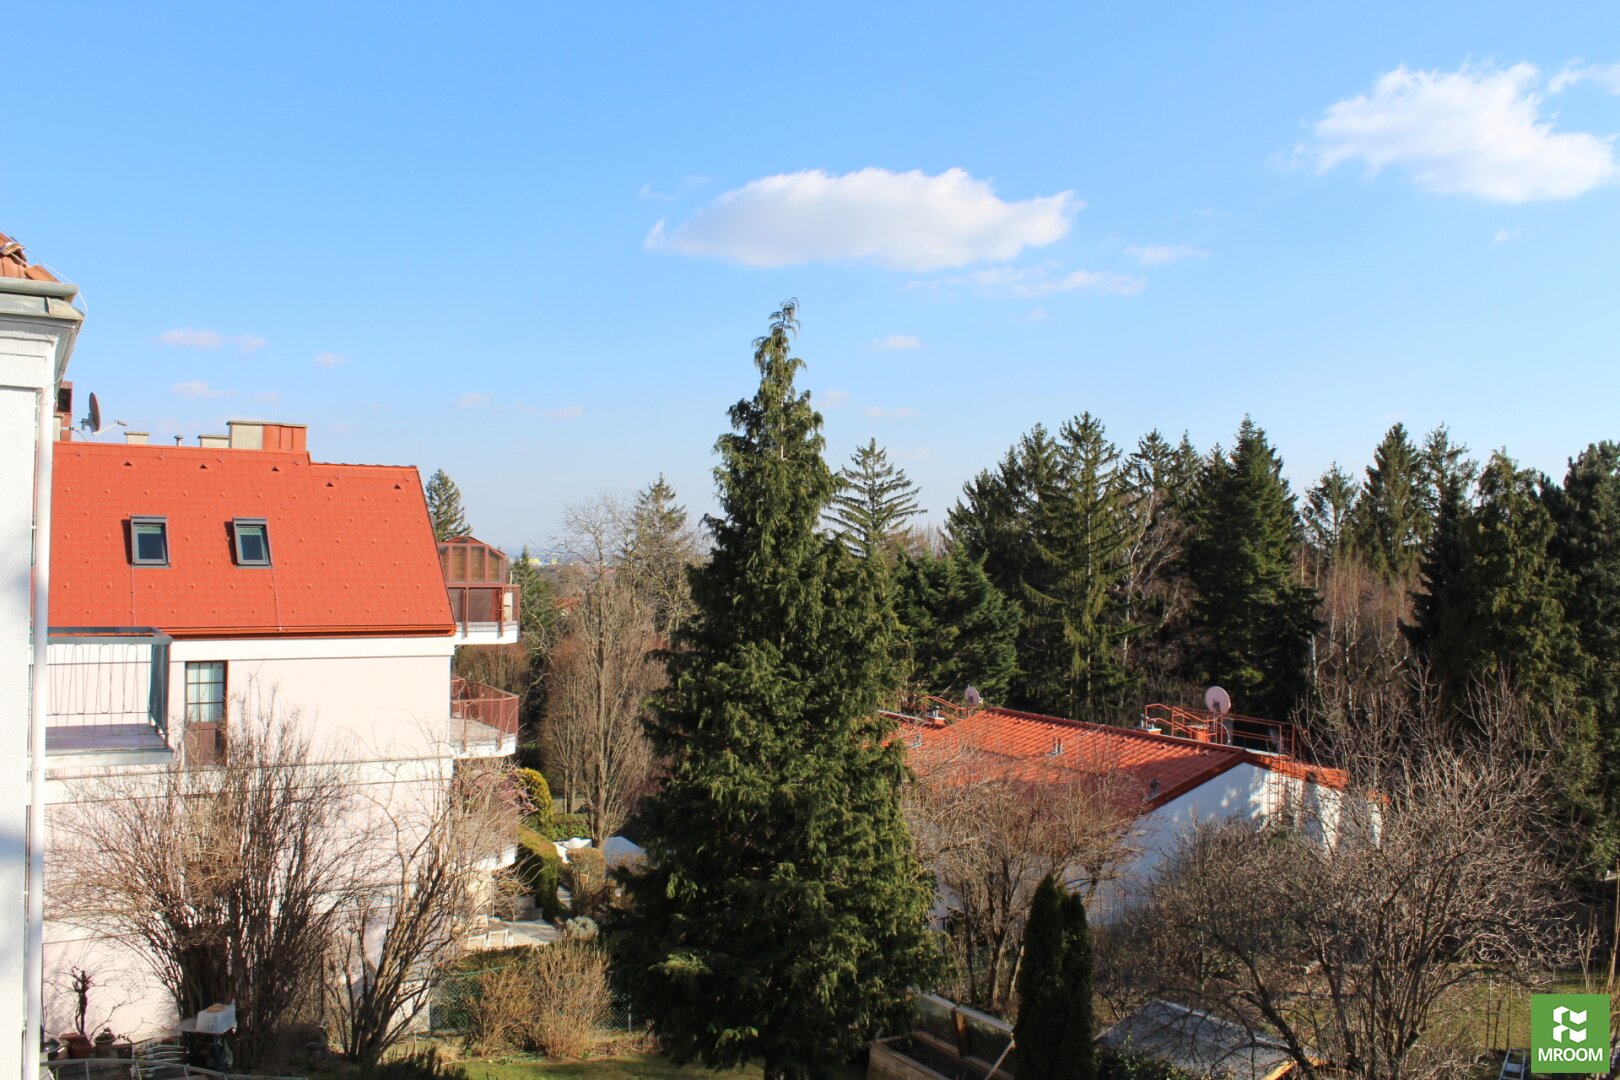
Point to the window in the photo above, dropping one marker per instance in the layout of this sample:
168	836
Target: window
148	541
205	712
252	537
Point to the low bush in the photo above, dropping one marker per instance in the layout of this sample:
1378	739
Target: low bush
586	878
552	999
568	826
538	793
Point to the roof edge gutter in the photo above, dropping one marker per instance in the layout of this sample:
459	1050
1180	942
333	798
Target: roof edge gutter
56	290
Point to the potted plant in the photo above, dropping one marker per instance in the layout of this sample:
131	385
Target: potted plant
77	1043
104	1043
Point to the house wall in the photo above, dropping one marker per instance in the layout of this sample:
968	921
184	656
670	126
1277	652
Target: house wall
379	705
33	349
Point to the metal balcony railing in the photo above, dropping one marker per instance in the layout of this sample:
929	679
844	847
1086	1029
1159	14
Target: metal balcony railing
483	720
107	689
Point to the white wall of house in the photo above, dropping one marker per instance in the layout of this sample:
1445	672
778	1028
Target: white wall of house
382	705
36	336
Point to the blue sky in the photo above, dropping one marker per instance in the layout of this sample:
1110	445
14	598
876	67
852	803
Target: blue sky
433	232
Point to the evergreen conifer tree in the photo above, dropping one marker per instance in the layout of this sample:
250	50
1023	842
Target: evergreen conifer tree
1055	1027
1329	511
781	913
444	507
874	498
1257	617
1043	1006
661	550
959	629
1389	523
1586	514
1081	533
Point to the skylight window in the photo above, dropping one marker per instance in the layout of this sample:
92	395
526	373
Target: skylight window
252	538
148	541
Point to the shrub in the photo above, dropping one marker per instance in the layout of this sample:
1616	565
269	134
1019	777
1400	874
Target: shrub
547	879
568	826
539	794
552	999
1116	1065
587	879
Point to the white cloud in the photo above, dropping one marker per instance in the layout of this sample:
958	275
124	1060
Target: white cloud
1507	236
1476	131
905	221
832	399
330	359
1605	75
897	342
1034	282
196	388
566	412
1164	254
876	413
471	401
192	338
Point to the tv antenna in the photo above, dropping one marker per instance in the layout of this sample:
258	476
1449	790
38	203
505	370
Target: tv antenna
92	424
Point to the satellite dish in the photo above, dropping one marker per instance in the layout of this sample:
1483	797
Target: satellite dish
1217	701
971	696
92	423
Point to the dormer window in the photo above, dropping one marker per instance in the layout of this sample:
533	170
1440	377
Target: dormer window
148	541
252	539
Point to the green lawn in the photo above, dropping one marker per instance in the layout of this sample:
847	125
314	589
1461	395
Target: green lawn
635	1067
638	1067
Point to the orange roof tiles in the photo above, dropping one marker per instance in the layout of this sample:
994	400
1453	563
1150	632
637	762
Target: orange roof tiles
14	262
1031	746
351	545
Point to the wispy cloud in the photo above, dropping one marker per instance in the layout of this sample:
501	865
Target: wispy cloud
1476	131
876	413
687	184
192	338
1164	254
1507	236
330	359
1034	282
1605	75
471	401
832	399
897	343
905	221
565	412
196	388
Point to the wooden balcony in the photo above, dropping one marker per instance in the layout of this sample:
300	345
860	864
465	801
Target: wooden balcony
482	601
108	695
483	720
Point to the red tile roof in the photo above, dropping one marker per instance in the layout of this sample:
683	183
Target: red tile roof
14	262
351	545
1034	747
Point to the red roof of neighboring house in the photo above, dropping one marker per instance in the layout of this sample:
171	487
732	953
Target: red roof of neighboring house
1033	747
352	550
14	262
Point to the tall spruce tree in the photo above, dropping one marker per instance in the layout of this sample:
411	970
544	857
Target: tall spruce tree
1586	516
1054	1031
1081	531
959	630
1329	513
1164	480
444	507
874	498
1389	524
661	549
1244	561
782	912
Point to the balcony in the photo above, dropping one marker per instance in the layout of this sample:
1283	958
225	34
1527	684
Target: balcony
107	696
482	602
483	720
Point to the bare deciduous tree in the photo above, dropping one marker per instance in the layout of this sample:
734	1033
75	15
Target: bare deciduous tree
1348	930
602	672
231	876
400	931
990	837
